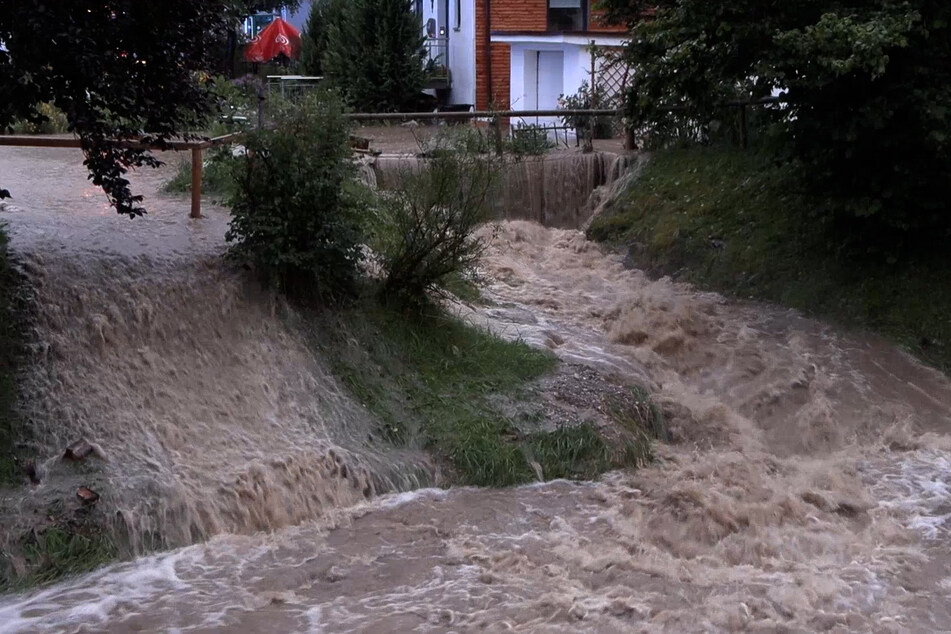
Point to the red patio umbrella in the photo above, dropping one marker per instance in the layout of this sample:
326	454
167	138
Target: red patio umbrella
276	38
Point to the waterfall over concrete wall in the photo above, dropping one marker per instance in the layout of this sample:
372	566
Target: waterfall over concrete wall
554	190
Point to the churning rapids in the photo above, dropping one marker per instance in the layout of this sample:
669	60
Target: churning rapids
807	487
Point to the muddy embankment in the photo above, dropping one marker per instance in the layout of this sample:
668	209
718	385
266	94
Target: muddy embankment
806	487
206	411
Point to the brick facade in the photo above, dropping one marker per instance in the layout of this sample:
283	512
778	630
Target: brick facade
519	16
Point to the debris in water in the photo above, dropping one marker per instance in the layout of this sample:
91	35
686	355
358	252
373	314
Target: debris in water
78	450
86	495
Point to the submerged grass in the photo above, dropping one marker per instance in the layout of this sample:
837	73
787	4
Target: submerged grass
729	220
439	384
56	552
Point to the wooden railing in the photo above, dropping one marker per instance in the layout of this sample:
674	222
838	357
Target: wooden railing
197	148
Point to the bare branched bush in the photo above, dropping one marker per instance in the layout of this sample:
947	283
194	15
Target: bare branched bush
427	226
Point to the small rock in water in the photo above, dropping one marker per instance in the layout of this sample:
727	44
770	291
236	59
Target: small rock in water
78	450
31	472
87	495
334	574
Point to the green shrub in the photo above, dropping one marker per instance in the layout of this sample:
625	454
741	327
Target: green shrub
217	177
585	99
293	216
49	120
425	234
530	139
866	85
237	102
466	139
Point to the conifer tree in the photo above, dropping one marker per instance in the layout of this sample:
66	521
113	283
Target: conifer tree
375	53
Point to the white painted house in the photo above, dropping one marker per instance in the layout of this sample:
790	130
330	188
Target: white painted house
543	68
518	54
449	27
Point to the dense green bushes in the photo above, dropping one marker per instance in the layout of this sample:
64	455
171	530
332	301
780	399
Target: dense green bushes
217	177
292	216
49	120
867	83
301	218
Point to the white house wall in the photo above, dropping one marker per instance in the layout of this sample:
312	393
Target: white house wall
462	46
523	74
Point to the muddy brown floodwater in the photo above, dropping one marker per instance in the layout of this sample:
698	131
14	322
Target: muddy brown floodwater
807	487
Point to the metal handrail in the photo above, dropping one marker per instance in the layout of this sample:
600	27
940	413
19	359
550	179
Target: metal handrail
477	114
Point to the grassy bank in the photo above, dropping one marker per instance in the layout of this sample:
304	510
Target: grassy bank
467	397
68	546
728	220
10	352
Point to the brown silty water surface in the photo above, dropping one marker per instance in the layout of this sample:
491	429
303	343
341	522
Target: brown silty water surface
806	487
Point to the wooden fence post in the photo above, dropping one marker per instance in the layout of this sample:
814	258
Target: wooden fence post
196	182
630	142
592	121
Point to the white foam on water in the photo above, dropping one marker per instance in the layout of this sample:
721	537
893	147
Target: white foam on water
917	485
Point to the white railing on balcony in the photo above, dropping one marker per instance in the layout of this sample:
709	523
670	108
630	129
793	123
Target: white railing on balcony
436	60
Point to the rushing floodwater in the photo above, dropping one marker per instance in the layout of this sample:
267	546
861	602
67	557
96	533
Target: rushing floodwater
807	488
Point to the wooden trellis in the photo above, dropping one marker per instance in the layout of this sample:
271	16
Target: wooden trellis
611	74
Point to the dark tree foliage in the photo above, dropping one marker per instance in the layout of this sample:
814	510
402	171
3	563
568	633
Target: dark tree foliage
249	7
119	70
315	35
375	54
868	81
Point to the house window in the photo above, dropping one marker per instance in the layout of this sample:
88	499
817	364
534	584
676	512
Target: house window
457	21
567	15
254	24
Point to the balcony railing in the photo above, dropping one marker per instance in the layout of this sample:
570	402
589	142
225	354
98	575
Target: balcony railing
436	61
